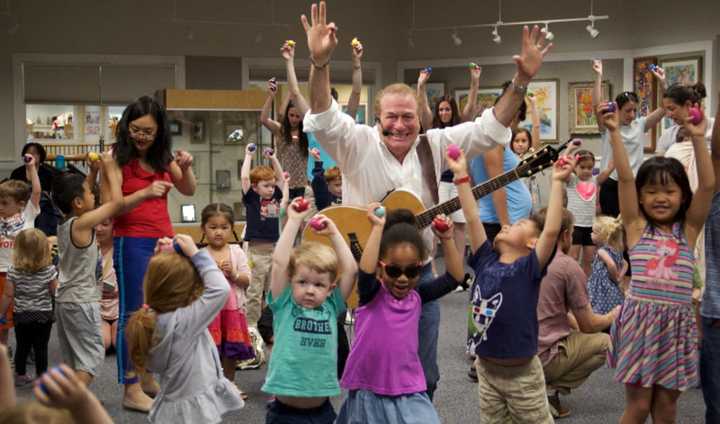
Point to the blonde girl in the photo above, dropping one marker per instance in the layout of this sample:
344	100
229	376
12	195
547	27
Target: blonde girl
608	267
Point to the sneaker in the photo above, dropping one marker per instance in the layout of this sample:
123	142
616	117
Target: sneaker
22	380
349	320
556	409
472	374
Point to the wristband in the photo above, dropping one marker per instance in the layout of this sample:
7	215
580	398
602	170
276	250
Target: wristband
519	88
316	66
461	180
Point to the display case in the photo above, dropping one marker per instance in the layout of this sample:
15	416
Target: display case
214	126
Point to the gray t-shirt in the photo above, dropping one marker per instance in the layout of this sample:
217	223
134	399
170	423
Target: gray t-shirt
76	268
633	137
711	299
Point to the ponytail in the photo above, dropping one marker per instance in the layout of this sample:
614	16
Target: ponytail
139	332
680	94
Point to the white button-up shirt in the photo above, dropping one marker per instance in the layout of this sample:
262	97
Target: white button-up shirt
368	168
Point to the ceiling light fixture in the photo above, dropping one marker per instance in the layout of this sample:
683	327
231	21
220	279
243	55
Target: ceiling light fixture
456	39
497	39
548	35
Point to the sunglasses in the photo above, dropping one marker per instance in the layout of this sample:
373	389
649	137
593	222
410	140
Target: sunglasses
394	271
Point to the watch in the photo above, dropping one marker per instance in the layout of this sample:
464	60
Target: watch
519	88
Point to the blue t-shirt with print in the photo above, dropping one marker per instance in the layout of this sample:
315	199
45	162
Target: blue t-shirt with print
504	301
519	201
304	356
262	216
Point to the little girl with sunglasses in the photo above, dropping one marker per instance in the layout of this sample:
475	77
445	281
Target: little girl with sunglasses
383	372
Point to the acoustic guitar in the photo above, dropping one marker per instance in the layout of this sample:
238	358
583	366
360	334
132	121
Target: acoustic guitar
353	224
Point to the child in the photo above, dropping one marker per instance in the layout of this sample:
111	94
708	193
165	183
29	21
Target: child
229	328
510	375
19	206
62	399
107	283
262	196
168	335
581	195
31	282
383	374
302	372
608	267
326	185
77	307
655	338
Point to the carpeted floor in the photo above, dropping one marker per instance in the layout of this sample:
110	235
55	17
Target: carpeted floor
600	400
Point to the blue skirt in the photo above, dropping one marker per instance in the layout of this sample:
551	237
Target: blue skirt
363	406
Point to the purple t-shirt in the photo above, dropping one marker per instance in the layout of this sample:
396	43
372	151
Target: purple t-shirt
384	356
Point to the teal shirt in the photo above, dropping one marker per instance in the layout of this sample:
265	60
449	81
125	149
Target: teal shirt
304	356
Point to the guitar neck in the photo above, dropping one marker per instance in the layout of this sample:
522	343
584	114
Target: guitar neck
425	218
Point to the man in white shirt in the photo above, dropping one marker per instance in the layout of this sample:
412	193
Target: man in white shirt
376	160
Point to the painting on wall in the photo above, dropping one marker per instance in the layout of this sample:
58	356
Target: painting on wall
234	133
360	114
685	71
582	119
486	97
645	86
435	91
546	99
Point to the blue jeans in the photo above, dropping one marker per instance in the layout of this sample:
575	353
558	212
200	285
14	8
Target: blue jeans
429	330
710	369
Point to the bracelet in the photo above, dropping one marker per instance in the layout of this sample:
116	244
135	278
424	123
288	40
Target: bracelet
315	65
519	88
462	180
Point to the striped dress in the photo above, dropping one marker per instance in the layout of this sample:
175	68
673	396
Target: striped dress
655	337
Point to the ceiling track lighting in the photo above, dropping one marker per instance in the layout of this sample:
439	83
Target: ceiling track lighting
497	39
546	31
456	39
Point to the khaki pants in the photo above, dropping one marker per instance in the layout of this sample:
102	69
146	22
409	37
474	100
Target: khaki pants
512	394
260	258
579	355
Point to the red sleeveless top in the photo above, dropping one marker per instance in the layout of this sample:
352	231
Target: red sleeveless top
150	218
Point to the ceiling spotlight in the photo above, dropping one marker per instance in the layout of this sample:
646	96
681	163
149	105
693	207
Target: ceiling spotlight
591	30
548	35
456	38
496	35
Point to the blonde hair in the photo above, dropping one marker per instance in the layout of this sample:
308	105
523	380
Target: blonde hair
397	89
171	282
317	257
19	190
32	250
35	413
332	174
610	231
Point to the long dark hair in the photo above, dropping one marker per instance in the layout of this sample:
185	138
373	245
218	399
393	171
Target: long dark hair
663	170
287	130
454	120
625	97
680	94
515	133
159	155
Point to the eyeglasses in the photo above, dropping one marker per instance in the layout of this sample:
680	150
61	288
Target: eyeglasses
394	271
142	132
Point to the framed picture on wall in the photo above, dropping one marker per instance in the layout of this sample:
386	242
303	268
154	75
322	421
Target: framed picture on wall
222	180
545	93
486	97
175	127
645	86
197	132
360	114
686	71
234	133
582	118
435	90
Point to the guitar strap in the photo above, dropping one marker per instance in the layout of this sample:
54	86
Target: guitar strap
427	164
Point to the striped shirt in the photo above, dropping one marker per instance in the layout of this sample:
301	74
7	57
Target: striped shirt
662	267
711	299
581	200
32	292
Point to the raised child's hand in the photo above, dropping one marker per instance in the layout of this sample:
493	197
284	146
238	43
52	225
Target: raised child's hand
442	227
699	129
376	214
288	49
597	66
357	50
609	119
458	165
315	153
187	244
323	225
565	165
298	209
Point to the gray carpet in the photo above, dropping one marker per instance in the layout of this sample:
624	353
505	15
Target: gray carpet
600	400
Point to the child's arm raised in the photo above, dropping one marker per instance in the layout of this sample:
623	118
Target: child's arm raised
702	198
32	176
371	253
467	201
82	228
471	107
545	247
274	126
426	117
288	53
597	97
455	272
354	99
283	248
245	170
277	167
632	219
348	266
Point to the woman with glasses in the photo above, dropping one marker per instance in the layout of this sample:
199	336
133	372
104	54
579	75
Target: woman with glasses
149	171
632	130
